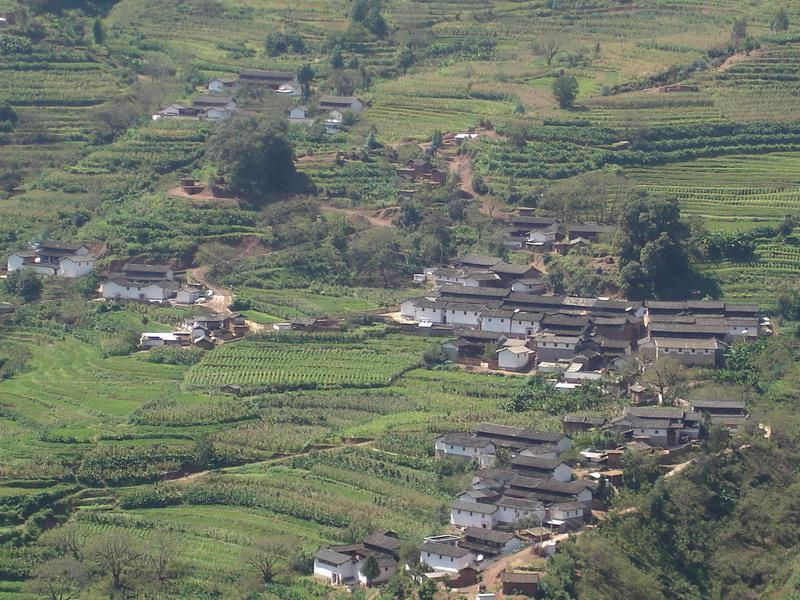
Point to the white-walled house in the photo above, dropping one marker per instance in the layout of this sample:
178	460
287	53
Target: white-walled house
54	258
222	85
156	339
124	289
446	558
335	567
299	114
525	324
497	321
340	103
468	514
514	357
566	511
188	294
463	444
511	510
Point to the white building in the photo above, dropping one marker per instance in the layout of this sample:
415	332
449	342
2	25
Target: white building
118	288
54	258
445	558
468	514
222	85
188	294
511	510
497	320
154	340
340	104
566	511
299	114
463	444
335	567
514	357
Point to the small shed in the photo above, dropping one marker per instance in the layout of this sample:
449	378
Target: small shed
520	583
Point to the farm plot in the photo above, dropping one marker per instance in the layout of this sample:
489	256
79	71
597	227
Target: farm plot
280	363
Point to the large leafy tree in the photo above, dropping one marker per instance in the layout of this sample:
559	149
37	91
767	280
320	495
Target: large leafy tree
652	247
253	155
565	90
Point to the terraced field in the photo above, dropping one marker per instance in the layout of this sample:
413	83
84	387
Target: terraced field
280	364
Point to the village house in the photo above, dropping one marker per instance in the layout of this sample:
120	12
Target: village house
340	103
707	353
731	414
485	496
344	564
7	18
270	79
223	85
511	511
514	355
544	468
447	558
552	348
588	231
658	426
299	114
154	283
189	294
551	490
469	514
517	438
523	583
57	259
464	445
567	514
573	424
491	480
490	543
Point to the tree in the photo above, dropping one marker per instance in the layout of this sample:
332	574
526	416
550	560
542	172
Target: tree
161	547
549	48
370	569
26	284
98	31
371	143
7	113
368	14
652	234
253	155
639	469
337	61
405	58
565	90
436	141
738	32
118	553
780	22
305	75
67	541
59	579
633	281
267	557
663	373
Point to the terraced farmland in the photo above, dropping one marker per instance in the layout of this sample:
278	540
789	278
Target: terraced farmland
278	364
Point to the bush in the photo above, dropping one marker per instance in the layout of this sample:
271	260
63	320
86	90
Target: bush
175	355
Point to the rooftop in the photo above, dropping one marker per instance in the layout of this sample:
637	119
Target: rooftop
444	549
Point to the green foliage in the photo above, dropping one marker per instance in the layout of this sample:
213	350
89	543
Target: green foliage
98	31
175	355
539	394
24	283
565	90
368	13
780	22
253	156
277	43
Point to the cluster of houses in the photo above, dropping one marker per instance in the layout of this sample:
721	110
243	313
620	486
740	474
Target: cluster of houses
201	331
550	234
281	82
422	169
487	302
59	259
203	108
330	109
506	507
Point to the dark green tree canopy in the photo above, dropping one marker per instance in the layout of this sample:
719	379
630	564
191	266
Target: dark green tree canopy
565	90
253	155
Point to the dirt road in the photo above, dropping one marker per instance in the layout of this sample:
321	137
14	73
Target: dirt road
222	298
379	218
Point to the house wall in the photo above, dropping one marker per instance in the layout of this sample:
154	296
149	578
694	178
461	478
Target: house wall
447	564
186	297
15	262
523	327
69	267
514	362
408	310
505	514
444	449
334	574
566	515
466	518
112	289
463	317
434	315
554	351
701	357
496	324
